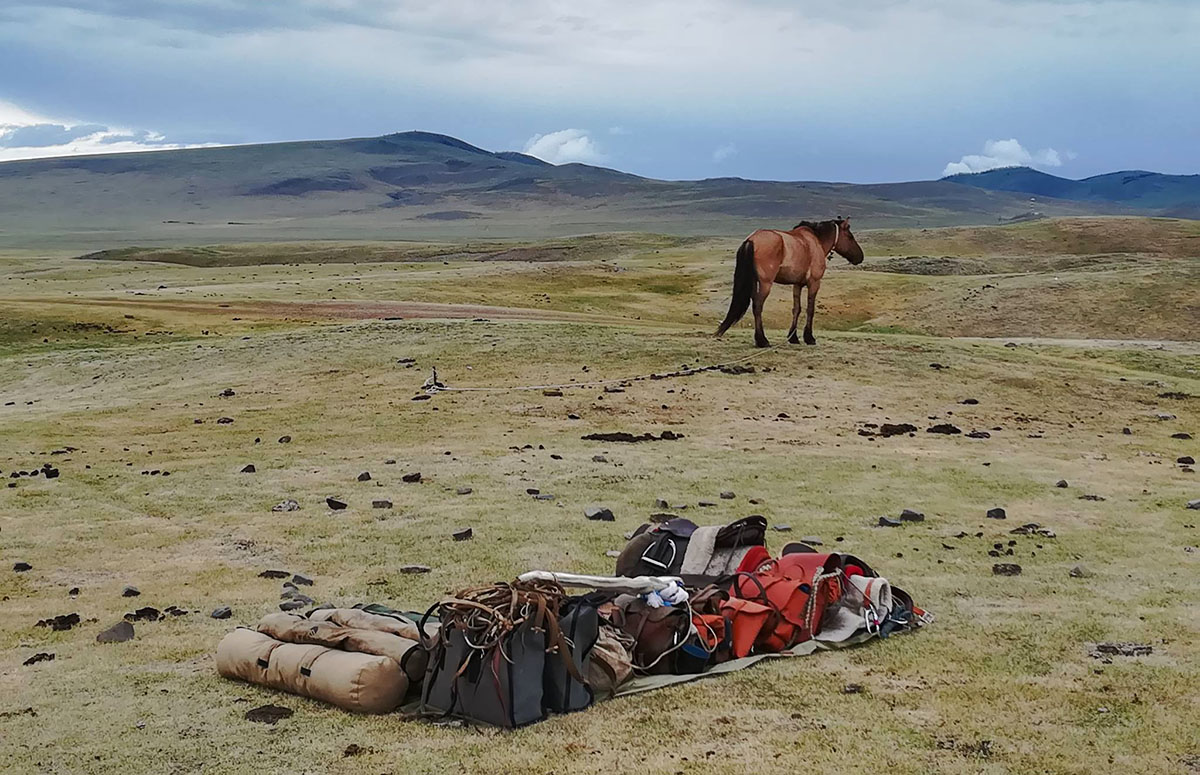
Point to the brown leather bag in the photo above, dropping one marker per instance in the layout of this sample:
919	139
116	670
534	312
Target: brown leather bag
658	633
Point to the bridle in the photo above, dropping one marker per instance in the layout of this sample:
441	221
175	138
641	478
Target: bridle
837	235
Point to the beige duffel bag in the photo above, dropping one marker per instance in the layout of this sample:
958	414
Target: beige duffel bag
292	628
366	683
365	620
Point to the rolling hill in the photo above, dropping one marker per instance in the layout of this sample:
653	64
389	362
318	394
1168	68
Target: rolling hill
1176	196
419	185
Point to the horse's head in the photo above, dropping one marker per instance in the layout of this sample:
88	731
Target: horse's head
846	246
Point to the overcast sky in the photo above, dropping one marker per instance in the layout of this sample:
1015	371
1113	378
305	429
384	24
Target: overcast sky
777	89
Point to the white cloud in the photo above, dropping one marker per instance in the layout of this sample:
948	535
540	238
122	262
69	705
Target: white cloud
619	130
25	135
724	152
1005	153
563	146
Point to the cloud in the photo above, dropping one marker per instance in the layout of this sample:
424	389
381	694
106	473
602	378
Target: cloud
1005	153
25	135
724	152
619	130
563	146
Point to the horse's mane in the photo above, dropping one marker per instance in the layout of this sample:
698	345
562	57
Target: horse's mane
818	228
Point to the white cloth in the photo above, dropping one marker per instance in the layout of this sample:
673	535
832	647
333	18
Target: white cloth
637	585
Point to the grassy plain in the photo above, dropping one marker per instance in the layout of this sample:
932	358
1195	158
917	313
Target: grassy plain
112	369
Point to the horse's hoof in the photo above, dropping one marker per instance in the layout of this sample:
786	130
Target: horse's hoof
810	339
761	343
793	339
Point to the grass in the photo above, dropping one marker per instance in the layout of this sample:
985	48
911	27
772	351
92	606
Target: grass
1002	682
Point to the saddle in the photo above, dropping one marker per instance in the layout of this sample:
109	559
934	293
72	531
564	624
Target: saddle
679	547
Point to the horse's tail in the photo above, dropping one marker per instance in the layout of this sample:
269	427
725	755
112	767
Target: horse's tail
745	281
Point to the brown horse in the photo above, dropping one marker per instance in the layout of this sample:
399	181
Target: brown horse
795	258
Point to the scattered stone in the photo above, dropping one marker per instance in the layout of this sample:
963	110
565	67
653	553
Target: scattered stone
599	514
889	522
249	468
227	393
969	401
660	503
599	459
292	604
997	513
543	496
268	714
944	427
224	420
412	478
979	435
1182	436
706	504
50	473
727	495
755	501
335	504
1061	483
1090	497
1175	394
1186	460
353	750
41	656
224	612
411	569
1006	569
1121	650
21	567
285	439
622	436
811	541
1194	505
466	534
852	689
1032	528
118	633
60	623
381	503
130	592
1080	572
1165	416
422	397
365	476
552	393
304	581
286	505
613	553
782	528
888	429
73	591
464	491
145	614
908	515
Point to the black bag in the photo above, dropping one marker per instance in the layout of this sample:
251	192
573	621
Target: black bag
579	624
501	685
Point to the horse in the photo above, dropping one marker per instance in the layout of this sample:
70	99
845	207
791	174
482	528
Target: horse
797	258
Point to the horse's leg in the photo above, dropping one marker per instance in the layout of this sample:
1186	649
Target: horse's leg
813	287
760	297
797	289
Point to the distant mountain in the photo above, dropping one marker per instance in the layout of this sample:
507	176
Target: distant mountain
421	185
1154	192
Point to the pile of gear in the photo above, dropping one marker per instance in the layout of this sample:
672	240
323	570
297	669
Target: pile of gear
686	602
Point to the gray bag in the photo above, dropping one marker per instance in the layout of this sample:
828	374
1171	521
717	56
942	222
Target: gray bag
501	686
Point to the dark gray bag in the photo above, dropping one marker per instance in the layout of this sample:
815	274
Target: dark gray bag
580	627
501	686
